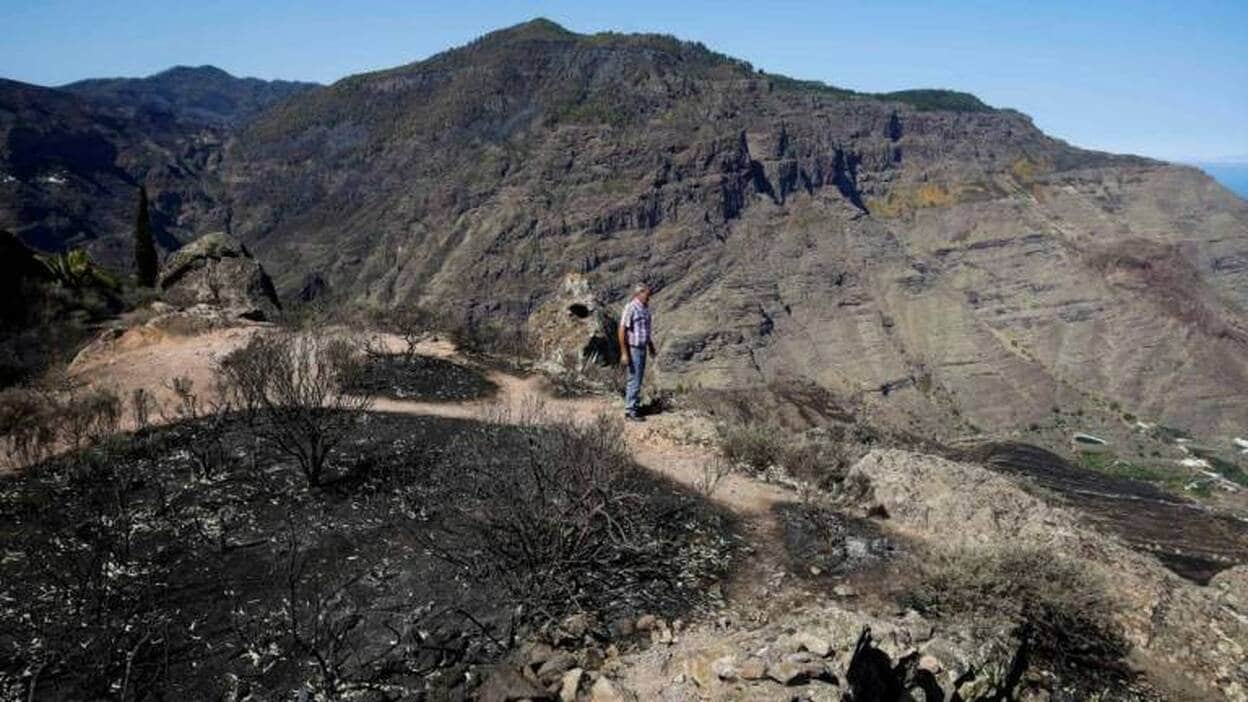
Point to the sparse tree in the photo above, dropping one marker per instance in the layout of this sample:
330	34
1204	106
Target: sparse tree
145	262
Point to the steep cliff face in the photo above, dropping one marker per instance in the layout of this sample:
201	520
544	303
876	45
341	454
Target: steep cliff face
921	250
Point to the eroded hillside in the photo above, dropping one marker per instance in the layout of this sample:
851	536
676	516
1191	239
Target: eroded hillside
920	251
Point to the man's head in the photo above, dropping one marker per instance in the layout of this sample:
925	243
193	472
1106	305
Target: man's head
642	292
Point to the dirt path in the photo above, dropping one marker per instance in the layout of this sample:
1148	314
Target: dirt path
650	445
138	360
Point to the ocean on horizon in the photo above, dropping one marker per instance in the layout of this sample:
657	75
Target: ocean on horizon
1234	176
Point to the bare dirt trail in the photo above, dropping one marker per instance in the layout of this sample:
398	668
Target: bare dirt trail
647	442
651	446
137	361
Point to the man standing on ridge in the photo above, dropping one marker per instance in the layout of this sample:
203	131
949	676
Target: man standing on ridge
635	340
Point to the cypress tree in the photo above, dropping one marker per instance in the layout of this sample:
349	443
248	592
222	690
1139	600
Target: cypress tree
145	262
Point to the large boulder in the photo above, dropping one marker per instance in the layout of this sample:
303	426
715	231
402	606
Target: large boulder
218	271
574	329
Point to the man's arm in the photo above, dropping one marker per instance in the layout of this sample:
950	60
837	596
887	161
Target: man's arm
625	354
650	343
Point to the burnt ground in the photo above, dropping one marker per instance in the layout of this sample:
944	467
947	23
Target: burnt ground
423	378
1189	539
822	542
128	573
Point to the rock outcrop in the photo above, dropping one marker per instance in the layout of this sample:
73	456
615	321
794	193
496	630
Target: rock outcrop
573	329
218	271
1176	628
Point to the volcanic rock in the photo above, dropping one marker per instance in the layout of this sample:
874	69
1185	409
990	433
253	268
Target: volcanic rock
217	270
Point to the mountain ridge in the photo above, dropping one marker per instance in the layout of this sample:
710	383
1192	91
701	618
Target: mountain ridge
846	241
954	269
202	94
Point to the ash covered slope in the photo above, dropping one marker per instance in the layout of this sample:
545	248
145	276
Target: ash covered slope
938	256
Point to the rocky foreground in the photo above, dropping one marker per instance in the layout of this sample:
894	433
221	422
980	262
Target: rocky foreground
801	641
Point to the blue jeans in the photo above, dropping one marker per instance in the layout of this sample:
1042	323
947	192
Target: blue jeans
636	371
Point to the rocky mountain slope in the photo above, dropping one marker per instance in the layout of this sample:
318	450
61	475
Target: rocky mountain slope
202	94
941	262
940	259
71	159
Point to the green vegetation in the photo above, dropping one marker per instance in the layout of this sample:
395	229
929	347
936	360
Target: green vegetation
145	260
926	100
808	86
1225	468
1109	464
75	270
599	108
1171	479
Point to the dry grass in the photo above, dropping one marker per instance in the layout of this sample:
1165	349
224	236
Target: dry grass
1060	602
755	447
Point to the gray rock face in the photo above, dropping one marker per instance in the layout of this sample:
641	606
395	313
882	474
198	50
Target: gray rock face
218	271
574	329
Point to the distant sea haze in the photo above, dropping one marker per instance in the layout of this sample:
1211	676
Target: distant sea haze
1232	175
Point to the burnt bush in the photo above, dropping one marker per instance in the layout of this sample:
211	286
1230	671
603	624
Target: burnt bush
294	387
38	420
487	338
27	426
566	519
127	574
1069	616
816	459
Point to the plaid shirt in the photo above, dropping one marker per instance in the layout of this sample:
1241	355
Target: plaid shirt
636	321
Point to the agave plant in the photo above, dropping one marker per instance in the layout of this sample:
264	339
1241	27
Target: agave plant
75	269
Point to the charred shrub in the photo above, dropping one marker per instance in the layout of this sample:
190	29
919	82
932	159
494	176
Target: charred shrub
294	388
488	338
35	421
90	593
27	429
566	520
89	416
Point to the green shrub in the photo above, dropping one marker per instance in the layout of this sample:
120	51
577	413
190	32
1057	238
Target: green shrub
1228	470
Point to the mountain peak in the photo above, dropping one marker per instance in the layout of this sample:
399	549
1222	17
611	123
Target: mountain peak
538	28
200	72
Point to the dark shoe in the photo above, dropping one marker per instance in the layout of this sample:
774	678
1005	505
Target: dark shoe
634	417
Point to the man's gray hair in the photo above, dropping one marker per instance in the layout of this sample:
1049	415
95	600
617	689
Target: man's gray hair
640	288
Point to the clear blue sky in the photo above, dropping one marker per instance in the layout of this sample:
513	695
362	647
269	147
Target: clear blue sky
1164	79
